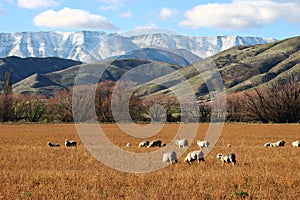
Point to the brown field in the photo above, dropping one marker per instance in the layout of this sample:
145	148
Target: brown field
29	169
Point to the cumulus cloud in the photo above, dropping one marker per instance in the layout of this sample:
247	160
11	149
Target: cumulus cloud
167	14
241	14
73	19
33	4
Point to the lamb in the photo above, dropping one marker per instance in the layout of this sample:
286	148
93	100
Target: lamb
52	144
170	157
202	144
156	143
296	143
70	143
182	143
144	143
194	155
228	158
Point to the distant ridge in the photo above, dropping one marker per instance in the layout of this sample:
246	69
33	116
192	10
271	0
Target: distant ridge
91	46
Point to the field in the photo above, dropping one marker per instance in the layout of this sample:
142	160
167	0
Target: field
29	169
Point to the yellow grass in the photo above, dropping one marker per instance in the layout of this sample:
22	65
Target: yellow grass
29	169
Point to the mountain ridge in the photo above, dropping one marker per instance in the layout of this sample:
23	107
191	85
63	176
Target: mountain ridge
93	46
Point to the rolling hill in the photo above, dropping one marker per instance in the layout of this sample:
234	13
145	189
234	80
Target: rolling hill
241	68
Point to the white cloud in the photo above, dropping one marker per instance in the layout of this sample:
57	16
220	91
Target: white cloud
33	4
241	14
73	19
167	14
127	14
114	5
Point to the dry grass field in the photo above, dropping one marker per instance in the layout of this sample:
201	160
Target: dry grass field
29	169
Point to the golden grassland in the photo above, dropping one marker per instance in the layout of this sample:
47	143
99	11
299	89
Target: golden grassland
29	169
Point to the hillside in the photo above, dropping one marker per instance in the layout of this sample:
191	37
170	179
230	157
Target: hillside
114	70
37	84
21	68
241	67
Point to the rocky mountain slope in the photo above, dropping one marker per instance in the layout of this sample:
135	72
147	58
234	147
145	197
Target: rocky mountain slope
87	46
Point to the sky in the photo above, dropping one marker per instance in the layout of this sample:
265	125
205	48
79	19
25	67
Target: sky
277	19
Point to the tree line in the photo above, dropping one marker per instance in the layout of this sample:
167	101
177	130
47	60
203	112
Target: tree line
278	102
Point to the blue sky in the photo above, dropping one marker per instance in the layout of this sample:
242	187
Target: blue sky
265	18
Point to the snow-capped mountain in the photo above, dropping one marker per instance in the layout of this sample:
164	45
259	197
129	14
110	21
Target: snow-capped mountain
90	46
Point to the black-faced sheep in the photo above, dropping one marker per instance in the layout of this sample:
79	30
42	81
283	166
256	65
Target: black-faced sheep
182	143
170	157
202	144
228	158
144	143
70	143
280	143
156	143
194	155
268	144
52	144
296	143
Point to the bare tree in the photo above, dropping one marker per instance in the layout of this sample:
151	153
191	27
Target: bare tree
279	102
60	106
6	107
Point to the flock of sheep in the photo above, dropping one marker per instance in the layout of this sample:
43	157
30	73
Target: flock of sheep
68	143
281	143
198	155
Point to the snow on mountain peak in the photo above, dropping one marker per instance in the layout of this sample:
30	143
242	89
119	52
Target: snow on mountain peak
92	46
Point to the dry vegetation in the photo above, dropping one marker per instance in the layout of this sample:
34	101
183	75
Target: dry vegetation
29	169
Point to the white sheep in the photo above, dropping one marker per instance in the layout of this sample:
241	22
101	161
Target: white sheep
182	143
144	143
202	144
228	158
128	145
156	143
52	144
170	157
296	143
70	143
194	155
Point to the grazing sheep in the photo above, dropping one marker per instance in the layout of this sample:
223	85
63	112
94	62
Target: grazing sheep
70	143
128	145
280	143
170	157
182	143
194	155
296	143
268	144
144	143
228	145
156	143
228	158
52	144
202	144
